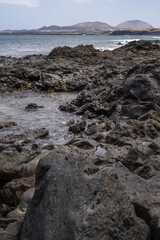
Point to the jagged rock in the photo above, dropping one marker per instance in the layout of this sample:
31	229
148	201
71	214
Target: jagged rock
142	45
28	136
26	199
82	143
11	224
34	76
11	163
11	192
77	127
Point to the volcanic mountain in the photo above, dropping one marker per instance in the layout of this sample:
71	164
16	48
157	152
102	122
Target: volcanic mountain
93	26
134	24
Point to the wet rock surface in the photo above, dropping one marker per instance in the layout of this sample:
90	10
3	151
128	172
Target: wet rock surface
104	184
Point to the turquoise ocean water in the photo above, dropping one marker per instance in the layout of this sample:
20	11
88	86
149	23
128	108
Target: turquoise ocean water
22	45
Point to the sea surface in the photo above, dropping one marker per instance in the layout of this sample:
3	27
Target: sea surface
22	45
12	108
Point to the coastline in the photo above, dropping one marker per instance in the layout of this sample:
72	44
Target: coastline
151	32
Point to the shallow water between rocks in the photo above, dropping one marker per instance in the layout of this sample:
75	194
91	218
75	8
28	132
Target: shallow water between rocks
12	108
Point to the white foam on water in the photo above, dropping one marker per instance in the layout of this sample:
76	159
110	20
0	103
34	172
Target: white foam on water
156	37
125	41
101	48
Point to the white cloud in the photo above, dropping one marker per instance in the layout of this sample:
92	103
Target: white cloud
83	1
29	3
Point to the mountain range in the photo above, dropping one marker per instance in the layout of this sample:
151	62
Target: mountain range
99	26
89	26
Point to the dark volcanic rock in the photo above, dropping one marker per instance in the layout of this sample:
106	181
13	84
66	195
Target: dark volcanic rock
78	51
11	224
32	107
77	127
11	163
76	200
11	192
7	124
28	136
143	45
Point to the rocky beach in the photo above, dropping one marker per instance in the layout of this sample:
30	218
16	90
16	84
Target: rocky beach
101	181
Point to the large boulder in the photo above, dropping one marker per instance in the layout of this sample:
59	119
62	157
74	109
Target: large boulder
75	199
78	51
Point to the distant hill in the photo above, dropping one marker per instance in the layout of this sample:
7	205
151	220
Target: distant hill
52	27
58	28
93	26
134	24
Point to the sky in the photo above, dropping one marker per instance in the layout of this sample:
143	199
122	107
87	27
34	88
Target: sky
32	14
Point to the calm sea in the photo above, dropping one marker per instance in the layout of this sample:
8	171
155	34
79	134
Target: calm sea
22	45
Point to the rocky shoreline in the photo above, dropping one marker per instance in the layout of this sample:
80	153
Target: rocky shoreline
103	184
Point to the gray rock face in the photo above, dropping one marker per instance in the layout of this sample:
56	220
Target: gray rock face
144	196
12	231
18	161
74	199
11	225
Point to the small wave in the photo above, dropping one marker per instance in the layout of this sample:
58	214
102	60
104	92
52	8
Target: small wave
111	49
126	40
123	42
105	48
156	37
101	48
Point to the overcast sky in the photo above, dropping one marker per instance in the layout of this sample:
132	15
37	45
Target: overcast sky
28	14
